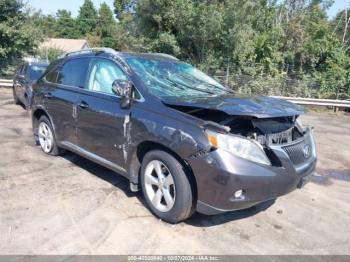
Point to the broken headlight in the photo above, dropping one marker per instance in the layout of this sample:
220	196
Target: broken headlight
239	146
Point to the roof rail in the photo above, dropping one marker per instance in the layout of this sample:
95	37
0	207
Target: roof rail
90	50
166	55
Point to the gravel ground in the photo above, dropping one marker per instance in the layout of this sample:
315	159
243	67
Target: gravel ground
69	205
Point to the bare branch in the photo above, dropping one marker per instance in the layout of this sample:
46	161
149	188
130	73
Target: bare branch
346	24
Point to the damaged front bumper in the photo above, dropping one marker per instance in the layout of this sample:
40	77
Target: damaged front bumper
220	175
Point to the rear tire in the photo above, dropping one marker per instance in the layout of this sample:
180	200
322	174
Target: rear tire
15	98
166	187
27	102
47	139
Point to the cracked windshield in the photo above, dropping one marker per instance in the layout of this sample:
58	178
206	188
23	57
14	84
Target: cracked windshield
175	79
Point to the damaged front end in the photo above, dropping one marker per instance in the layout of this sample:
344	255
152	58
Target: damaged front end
282	133
257	159
267	133
257	150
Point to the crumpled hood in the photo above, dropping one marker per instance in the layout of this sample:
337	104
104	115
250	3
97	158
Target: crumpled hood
233	104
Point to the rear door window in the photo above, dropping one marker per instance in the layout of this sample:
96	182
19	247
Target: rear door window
73	73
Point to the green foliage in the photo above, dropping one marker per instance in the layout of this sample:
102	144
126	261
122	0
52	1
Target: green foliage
281	46
106	26
18	36
65	25
266	46
87	18
121	7
50	54
340	25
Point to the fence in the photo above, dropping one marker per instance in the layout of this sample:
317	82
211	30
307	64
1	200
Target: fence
6	83
296	100
317	102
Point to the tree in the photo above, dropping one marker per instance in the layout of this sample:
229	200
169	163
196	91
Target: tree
271	42
121	7
18	37
87	18
169	29
106	25
46	24
341	27
50	53
65	25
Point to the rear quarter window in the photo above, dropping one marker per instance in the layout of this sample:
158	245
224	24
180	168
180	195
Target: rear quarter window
52	76
51	73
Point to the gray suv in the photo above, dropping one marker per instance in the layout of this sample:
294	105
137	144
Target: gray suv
25	78
183	139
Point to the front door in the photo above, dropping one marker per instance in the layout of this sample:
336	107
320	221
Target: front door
101	122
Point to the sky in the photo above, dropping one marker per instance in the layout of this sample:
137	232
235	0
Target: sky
51	6
338	6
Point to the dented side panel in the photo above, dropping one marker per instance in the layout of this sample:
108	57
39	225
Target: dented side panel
173	131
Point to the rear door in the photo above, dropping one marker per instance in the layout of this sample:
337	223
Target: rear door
61	96
101	121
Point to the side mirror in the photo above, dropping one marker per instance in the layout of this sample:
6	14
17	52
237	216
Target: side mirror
123	88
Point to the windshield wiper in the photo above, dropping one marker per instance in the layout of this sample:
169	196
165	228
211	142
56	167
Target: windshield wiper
174	84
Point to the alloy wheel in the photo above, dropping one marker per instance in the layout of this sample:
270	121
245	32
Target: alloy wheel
160	186
45	137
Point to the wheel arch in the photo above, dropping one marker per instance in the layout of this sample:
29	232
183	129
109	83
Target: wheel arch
134	167
36	115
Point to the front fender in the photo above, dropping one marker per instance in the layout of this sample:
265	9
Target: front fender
178	136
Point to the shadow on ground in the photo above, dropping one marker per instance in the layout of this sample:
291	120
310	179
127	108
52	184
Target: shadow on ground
99	171
199	220
326	177
122	183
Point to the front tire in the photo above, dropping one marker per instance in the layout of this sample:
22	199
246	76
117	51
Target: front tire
47	139
166	187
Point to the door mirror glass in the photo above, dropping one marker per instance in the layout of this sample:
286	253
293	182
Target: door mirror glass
123	88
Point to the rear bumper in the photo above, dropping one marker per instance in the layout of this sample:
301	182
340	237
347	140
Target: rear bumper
220	174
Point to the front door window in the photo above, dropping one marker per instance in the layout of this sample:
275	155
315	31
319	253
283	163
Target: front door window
103	73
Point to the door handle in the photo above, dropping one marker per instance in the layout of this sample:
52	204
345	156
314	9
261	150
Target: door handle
48	95
83	105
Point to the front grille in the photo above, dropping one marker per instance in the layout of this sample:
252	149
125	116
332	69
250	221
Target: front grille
299	152
284	137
